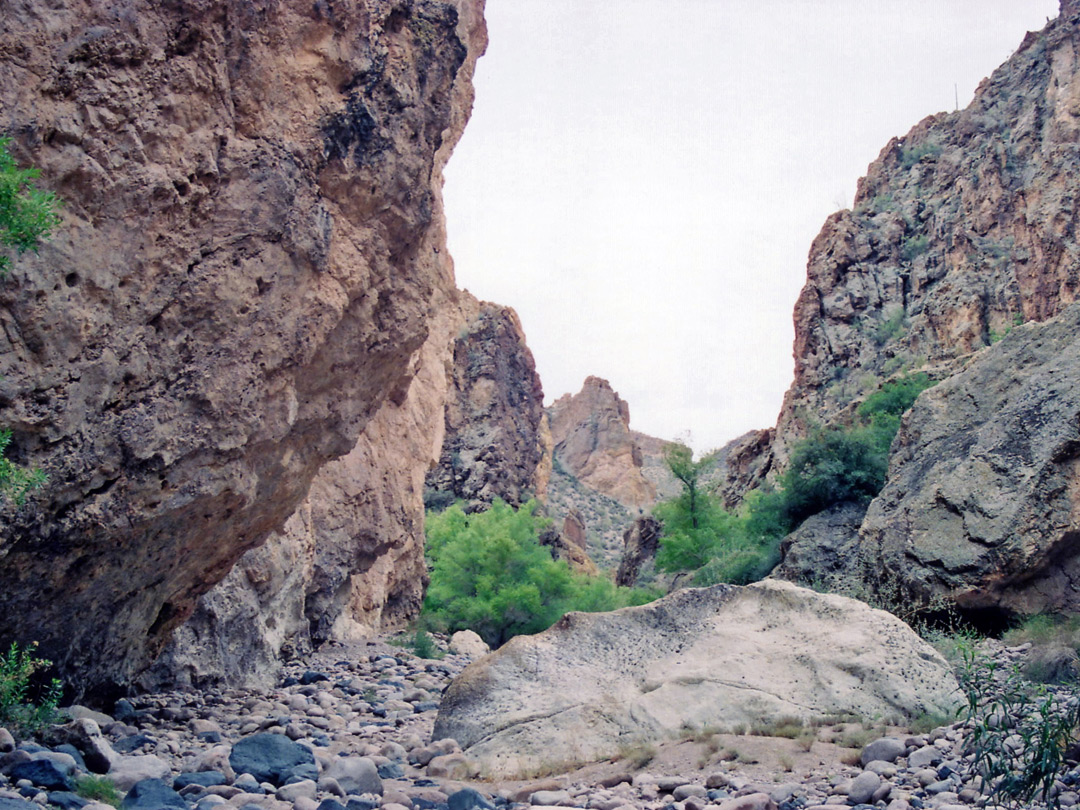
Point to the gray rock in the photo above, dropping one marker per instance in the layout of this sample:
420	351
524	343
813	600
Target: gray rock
355	775
863	787
152	794
270	758
887	749
694	657
924	757
550	798
683	792
43	773
469	799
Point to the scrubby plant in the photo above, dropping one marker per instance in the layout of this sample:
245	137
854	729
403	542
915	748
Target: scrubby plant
27	214
636	755
490	574
16	482
18	711
423	646
910	155
1018	733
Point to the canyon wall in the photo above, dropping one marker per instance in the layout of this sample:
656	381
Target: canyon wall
251	247
959	258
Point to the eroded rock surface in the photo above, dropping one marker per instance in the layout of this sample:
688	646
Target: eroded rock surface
593	441
695	658
982	504
242	279
497	441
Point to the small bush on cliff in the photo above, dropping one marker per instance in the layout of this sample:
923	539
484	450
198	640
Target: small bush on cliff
27	214
490	574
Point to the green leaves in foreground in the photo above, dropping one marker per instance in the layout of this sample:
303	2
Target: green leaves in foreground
490	574
27	214
17	711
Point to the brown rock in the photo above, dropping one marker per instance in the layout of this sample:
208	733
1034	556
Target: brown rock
496	443
242	279
592	436
641	542
562	549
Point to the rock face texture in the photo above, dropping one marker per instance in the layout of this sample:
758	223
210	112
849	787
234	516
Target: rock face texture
824	550
695	657
497	441
640	544
242	280
593	441
960	230
983	499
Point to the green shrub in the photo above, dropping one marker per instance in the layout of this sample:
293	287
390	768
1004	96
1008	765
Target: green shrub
490	574
423	646
910	155
98	789
1018	738
914	247
16	482
17	711
27	214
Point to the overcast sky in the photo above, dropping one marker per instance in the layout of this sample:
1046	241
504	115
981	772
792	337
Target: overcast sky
642	180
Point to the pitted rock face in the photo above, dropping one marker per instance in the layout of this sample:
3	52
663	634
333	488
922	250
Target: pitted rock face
720	656
251	241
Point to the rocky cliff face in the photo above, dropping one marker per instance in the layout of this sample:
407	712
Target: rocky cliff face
961	229
982	504
242	280
962	237
497	442
593	441
355	548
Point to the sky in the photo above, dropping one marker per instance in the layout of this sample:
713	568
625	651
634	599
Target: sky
642	180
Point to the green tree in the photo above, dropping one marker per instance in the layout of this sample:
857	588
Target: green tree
490	574
27	214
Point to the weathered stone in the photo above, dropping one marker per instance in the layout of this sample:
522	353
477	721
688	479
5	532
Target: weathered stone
229	299
640	543
151	794
592	436
822	550
863	787
887	749
983	494
355	775
466	642
126	771
692	658
269	758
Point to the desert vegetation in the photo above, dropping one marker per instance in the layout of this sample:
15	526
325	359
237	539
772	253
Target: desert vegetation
490	574
833	465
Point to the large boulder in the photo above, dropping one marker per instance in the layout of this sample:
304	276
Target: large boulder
823	550
720	656
982	503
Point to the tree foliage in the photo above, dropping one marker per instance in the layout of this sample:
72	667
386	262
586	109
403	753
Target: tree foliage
832	465
490	574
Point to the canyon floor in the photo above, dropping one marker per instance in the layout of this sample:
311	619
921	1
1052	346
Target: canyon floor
360	717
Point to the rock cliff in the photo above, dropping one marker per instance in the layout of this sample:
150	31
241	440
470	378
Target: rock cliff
350	562
962	237
960	230
497	442
242	281
593	441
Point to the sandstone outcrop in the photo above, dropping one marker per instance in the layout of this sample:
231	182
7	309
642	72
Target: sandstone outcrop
497	442
694	658
242	279
593	441
982	504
